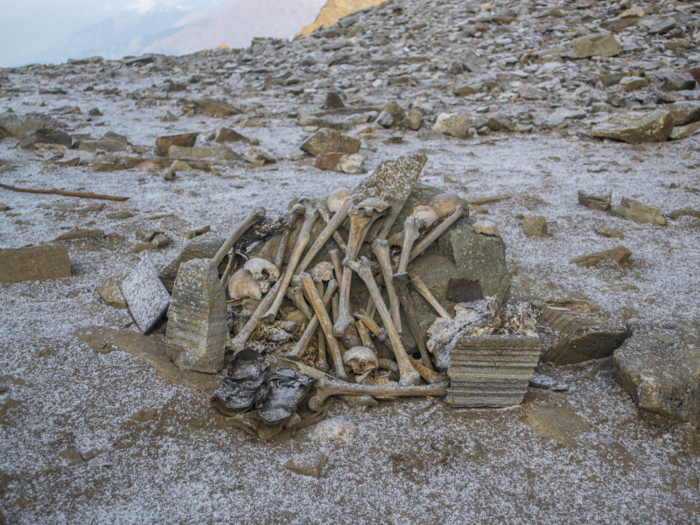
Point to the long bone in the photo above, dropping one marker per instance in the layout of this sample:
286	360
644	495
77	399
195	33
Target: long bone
419	285
401	280
431	376
411	228
317	304
359	219
229	271
379	333
238	342
337	264
329	230
326	388
257	215
304	235
439	230
365	337
326	218
321	360
290	221
409	376
298	351
381	251
296	294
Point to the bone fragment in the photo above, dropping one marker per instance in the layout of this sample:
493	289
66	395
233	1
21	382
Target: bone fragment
365	337
401	280
329	230
435	233
326	388
254	217
296	294
431	376
379	208
337	264
388	364
228	272
381	251
359	219
408	374
361	315
300	348
411	229
319	308
304	236
291	220
321	361
419	285
326	218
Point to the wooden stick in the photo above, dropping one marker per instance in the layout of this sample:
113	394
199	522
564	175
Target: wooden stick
66	193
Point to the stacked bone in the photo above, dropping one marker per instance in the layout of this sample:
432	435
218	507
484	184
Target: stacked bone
334	337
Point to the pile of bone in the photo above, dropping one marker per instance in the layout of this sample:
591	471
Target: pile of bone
337	348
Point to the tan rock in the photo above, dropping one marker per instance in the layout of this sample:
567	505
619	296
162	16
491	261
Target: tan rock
535	226
34	264
619	255
186	140
334	10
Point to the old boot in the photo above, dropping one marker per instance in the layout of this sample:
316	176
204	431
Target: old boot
287	388
243	387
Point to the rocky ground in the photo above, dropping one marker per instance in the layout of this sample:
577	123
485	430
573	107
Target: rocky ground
101	438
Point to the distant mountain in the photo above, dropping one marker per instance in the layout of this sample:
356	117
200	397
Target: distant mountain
334	10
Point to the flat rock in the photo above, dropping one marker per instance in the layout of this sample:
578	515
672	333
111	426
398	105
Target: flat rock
80	234
330	141
683	132
651	127
486	227
48	136
455	125
18	125
34	264
186	140
619	255
535	226
145	295
633	210
560	423
111	293
684	112
150	349
596	201
197	331
599	45
659	366
221	152
307	465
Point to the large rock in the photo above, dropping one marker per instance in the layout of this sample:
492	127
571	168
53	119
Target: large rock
334	10
330	141
46	136
598	45
684	112
15	125
674	81
651	127
560	423
186	140
202	247
659	366
568	339
197	332
34	264
633	210
454	125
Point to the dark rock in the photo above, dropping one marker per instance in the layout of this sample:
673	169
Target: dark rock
598	201
568	339
673	81
333	101
186	140
464	291
34	264
228	135
330	141
46	136
328	161
659	366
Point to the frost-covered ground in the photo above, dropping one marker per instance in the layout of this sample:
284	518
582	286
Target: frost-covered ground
413	461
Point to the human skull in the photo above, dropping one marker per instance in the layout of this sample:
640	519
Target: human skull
429	214
264	272
243	285
361	359
335	199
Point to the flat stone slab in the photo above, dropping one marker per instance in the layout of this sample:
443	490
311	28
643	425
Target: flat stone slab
560	423
151	350
307	465
34	264
145	294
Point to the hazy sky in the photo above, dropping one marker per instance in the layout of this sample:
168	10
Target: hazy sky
28	27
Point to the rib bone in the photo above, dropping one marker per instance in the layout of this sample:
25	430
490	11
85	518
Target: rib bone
309	218
326	388
419	285
402	280
409	376
323	212
411	229
299	349
317	304
254	217
381	251
358	221
439	230
291	220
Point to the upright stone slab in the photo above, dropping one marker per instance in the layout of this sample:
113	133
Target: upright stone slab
202	247
197	331
145	295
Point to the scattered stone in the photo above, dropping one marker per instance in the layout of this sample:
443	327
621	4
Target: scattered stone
610	233
486	227
307	465
560	423
259	156
535	226
333	101
650	127
71	456
228	135
674	81
111	293
186	140
145	295
619	255
454	125
34	264
20	125
335	429
328	161
595	201
197	331
596	45
414	120
202	247
144	416
80	234
330	141
633	210
683	132
545	382
569	339
110	143
352	164
222	152
196	233
659	366
46	136
527	92
170	175
633	83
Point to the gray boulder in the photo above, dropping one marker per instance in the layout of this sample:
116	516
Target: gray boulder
650	127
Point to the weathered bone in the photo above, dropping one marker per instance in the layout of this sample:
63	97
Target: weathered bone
326	388
411	229
431	376
379	208
319	308
337	264
304	235
321	360
335	200
419	285
388	364
365	336
408	374
238	342
291	220
381	251
323	271
361	359
361	315
229	271
350	337
300	348
329	230
326	218
359	219
439	230
254	217
401	280
296	294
